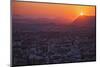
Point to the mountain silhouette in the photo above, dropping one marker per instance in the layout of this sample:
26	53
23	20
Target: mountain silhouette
38	24
84	23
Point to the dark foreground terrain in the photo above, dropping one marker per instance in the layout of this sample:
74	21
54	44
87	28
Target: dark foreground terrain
31	48
35	42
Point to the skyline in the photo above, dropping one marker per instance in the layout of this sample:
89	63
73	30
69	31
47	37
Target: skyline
68	12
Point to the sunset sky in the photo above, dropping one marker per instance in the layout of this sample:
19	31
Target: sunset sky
69	12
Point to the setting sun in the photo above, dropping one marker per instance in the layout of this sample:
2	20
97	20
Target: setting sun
68	12
81	13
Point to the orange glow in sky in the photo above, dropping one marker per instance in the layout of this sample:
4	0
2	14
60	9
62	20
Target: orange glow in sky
69	12
81	13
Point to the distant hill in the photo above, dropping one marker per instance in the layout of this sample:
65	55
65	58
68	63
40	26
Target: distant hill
84	23
38	24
